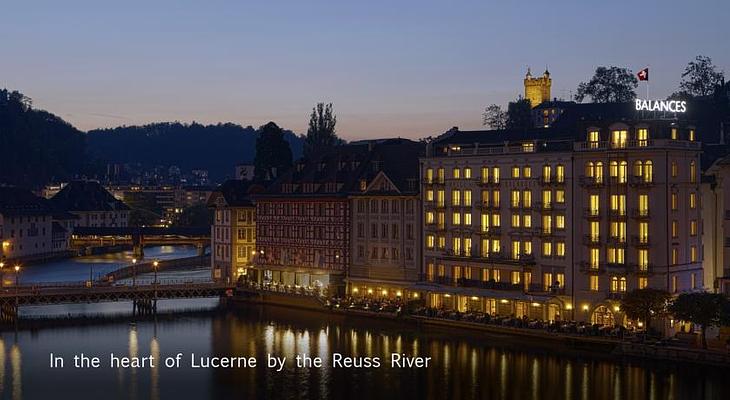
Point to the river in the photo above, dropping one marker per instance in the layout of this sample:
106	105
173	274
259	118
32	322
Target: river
461	366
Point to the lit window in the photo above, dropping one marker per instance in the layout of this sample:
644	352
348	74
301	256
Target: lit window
674	201
495	174
485	174
515	172
528	147
515	198
467	197
643	282
593	138
594	283
515	275
560	196
440	173
692	200
467	173
675	134
560	173
515	220
642	137
527	172
618	139
527	221
457	173
691	135
693	227
516	250
547	249
560	249
675	169
455	198
693	253
693	172
527	198
456	218
546	173
430	240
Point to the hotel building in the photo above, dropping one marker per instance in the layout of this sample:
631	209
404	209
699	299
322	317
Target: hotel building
559	222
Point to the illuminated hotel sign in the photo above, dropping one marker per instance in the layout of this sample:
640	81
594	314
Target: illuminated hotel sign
675	106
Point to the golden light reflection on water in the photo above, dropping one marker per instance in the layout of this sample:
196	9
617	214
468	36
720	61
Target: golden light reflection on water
155	372
17	372
2	366
133	352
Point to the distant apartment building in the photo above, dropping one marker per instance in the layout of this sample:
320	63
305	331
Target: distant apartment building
92	204
559	222
715	206
233	234
386	222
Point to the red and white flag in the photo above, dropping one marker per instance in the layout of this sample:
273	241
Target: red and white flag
643	74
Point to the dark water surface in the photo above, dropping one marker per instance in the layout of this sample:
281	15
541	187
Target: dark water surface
462	366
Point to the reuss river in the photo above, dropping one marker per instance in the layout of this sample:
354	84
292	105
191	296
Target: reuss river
460	366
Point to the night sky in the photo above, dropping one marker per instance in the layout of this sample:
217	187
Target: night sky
412	69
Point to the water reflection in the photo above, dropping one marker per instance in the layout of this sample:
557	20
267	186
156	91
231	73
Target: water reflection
481	367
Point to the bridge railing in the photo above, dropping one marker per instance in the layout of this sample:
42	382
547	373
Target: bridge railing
143	284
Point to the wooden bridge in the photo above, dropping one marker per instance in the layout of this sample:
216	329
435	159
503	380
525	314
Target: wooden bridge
144	297
86	238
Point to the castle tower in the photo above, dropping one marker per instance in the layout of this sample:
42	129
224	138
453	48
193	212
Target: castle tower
537	89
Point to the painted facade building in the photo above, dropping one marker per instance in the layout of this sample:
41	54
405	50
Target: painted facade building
233	233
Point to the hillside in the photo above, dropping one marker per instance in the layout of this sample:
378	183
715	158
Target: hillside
37	146
216	148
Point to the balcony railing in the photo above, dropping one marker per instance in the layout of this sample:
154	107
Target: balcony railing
591	181
640	240
637	144
639	213
591	213
640	181
591	239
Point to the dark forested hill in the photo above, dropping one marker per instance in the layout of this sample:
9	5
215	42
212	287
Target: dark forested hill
36	145
217	148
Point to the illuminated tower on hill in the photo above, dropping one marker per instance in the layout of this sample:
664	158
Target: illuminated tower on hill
537	89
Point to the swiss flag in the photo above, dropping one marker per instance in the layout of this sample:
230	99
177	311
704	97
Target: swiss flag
643	74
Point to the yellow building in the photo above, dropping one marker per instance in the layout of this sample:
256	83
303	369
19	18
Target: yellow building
537	89
233	233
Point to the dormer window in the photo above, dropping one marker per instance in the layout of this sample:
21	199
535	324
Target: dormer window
642	137
593	139
363	184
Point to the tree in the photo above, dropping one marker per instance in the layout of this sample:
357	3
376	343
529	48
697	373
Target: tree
273	154
609	85
519	114
700	77
494	117
700	308
645	304
321	132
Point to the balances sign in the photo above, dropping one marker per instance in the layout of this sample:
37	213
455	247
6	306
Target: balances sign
675	106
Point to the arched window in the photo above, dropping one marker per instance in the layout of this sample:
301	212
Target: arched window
599	172
693	172
648	171
638	168
623	171
589	169
613	169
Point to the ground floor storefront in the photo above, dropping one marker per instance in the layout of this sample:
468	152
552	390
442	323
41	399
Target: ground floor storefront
323	282
545	307
380	289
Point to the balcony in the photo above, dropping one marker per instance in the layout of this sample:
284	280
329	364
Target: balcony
642	270
617	214
489	181
640	241
591	239
638	213
591	181
587	267
617	180
489	207
640	181
637	145
615	295
616	240
543	206
591	213
491	231
617	268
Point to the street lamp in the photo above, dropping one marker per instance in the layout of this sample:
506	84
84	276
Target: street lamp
2	274
154	265
17	275
134	272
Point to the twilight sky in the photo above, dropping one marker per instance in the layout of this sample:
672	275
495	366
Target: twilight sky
391	68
